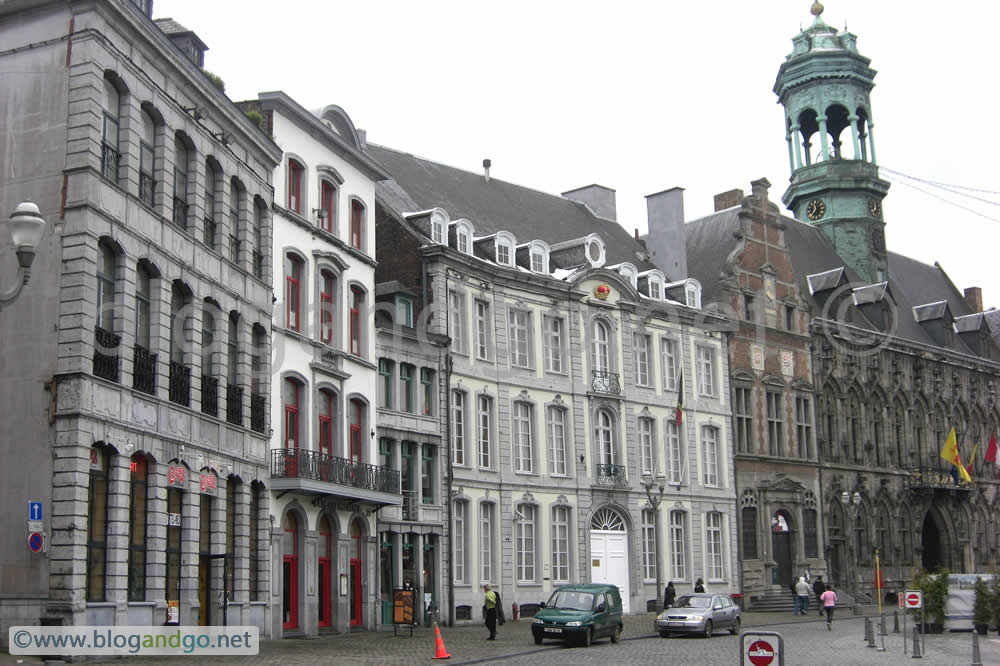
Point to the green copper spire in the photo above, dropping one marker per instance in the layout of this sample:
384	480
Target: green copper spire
825	88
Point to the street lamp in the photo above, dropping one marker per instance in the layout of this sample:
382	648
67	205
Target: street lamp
654	501
26	226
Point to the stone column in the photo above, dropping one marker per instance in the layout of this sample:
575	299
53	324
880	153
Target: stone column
189	556
871	139
853	119
67	550
309	570
241	545
217	546
276	590
824	140
116	571
156	536
789	138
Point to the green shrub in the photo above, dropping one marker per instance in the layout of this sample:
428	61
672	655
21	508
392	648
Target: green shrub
215	79
256	117
982	608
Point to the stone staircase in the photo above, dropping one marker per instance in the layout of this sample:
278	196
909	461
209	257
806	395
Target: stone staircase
782	601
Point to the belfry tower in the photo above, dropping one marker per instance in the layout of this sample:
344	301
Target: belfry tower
825	88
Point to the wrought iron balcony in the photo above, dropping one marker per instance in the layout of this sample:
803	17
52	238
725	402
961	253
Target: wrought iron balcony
110	159
143	370
234	404
605	382
258	412
927	479
209	395
180	383
147	186
612	475
106	359
316	466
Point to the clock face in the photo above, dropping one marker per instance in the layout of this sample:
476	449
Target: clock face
875	208
816	209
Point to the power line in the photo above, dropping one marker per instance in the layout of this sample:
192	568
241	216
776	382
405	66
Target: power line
949	202
939	184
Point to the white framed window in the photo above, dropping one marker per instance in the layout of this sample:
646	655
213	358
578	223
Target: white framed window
523	449
774	423
556	418
553	328
484	430
710	449
404	311
641	343
458	428
692	295
713	546
706	371
525	543
600	355
437	229
505	249
459	535
648	545
646	445
628	272
743	416
678	545
539	260
604	435
673	435
486	554
483	330
463	238
520	336
668	359
803	427
456	316
560	544
655	289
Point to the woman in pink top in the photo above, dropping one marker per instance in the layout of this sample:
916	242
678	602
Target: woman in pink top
829	599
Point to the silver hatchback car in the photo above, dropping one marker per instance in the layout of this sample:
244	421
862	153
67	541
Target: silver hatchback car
702	614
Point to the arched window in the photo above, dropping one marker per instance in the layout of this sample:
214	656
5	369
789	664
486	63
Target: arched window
237	197
234	392
326	291
878	439
463	237
358	321
180	372
324	572
883	539
259	220
604	436
209	382
505	249
147	159
182	164
213	183
358	415
539	258
106	265
655	288
293	290
291	394
296	175
600	355
326	413
327	205
143	362
137	528
357	224
861	539
903	532
110	149
97	523
628	272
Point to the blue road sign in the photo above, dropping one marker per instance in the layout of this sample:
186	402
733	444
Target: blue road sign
35	542
34	510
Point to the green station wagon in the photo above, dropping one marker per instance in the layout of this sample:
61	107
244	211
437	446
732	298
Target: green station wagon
580	613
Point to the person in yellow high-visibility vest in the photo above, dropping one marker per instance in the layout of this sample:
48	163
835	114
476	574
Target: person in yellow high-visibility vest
490	611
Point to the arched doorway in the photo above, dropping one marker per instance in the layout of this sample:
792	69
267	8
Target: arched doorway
933	541
354	591
325	571
609	552
781	547
290	573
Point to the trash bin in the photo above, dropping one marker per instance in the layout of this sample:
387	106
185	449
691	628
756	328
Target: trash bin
738	600
386	612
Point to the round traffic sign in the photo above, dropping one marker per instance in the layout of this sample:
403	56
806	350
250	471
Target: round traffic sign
760	653
913	600
35	542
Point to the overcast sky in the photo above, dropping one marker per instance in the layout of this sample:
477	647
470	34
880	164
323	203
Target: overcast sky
637	96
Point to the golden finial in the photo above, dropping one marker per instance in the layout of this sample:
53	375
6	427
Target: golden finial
817	8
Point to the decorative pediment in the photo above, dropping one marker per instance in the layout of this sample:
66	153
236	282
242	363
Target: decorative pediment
784	485
773	380
743	376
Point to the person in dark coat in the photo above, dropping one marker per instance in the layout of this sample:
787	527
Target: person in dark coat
699	586
669	595
490	611
819	587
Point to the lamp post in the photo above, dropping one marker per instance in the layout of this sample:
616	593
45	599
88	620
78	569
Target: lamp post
25	226
654	501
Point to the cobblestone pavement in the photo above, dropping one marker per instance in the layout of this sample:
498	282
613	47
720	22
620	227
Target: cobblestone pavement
807	642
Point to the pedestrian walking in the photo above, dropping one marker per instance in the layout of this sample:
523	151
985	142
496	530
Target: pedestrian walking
490	611
699	586
819	587
802	591
669	595
829	599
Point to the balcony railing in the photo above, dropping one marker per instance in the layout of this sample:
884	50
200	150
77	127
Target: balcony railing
143	370
180	213
306	464
611	475
209	395
411	505
931	478
605	382
106	359
258	412
147	186
234	404
110	158
180	383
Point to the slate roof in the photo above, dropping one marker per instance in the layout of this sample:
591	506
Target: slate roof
419	184
170	26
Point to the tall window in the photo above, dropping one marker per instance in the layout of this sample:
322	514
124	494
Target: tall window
459	536
326	422
600	356
291	399
255	586
327	203
676	470
232	484
648	545
803	428
427	387
810	532
482	330
604	436
646	446
437	229
668	356
903	534
385	382
147	184
295	176
406	387
181	166
641	359
484	430
520	329
458	428
748	516
175	523
357	223
463	240
258	236
774	423
861	540
211	187
557	440
706	371
404	311
710	442
525	546
456	315
233	349
655	289
427	461
143	319
749	309
713	546
553	344
293	281
97	523
678	545
538	261
110	153
523	449
357	307
560	544
106	287
486	541
504	252
207	343
357	427
743	413
237	195
326	306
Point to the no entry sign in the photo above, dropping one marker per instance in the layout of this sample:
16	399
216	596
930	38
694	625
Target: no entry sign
760	653
913	599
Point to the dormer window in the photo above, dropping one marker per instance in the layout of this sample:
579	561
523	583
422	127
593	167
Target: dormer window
437	229
655	288
692	295
505	249
629	272
539	256
463	237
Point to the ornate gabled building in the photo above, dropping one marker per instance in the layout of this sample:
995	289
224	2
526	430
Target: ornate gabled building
568	350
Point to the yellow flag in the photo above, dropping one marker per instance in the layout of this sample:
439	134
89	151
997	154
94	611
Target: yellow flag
950	453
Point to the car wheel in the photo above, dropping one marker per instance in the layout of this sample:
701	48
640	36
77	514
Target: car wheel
588	637
664	634
708	628
538	639
616	635
736	627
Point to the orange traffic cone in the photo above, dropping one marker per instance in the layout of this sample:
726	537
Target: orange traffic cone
441	652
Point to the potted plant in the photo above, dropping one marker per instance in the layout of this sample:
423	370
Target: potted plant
982	608
935	597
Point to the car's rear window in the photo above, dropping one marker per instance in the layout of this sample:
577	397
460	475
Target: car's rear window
569	600
693	602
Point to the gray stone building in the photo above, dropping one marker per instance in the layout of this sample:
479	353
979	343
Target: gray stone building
135	364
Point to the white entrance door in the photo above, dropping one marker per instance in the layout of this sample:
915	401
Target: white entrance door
609	561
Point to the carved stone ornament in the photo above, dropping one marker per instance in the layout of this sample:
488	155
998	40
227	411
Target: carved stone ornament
602	291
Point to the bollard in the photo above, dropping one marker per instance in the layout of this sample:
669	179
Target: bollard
871	633
916	646
881	628
977	660
867	629
895	622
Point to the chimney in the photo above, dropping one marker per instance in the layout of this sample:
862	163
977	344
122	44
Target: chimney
974	297
600	200
362	139
666	242
487	163
728	199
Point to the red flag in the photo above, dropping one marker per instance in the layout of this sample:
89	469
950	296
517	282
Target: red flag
991	450
678	417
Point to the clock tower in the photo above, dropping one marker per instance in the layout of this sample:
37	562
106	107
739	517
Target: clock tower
825	88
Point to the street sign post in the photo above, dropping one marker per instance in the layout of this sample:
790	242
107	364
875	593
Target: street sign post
913	599
35	541
762	648
34	510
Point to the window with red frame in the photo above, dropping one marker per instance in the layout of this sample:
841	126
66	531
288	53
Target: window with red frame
291	414
357	416
357	300
295	172
293	274
327	199
326	307
357	215
326	423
